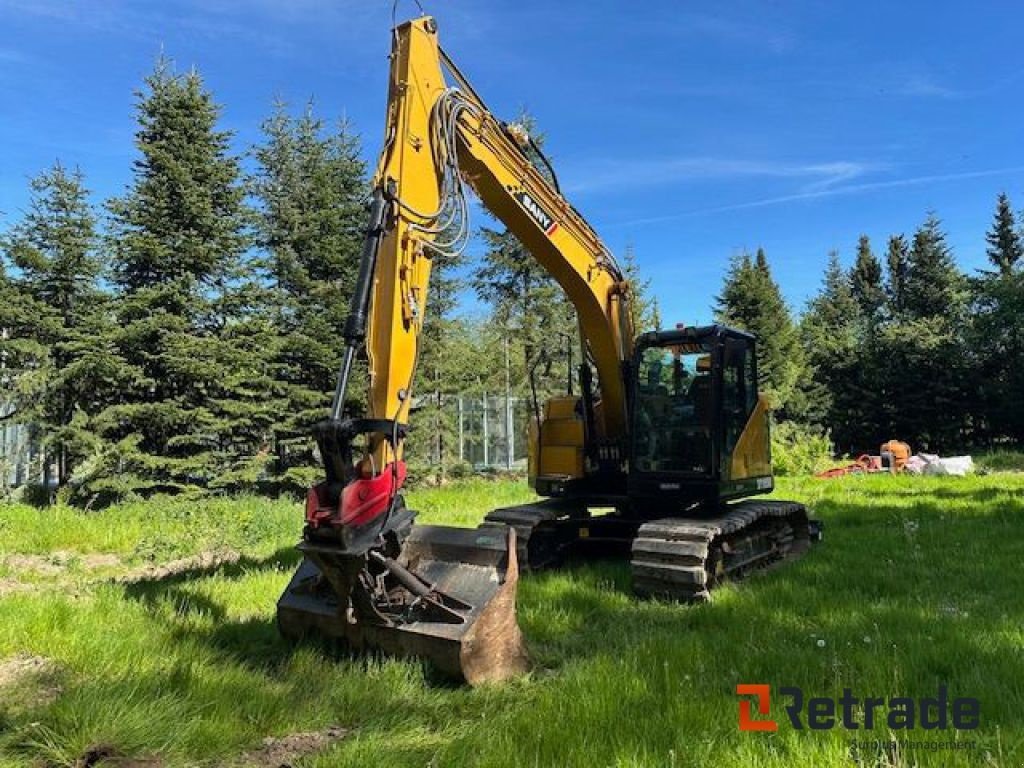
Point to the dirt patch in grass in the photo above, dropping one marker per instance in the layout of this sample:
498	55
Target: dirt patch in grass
100	561
274	752
282	751
30	681
58	561
56	564
46	565
204	561
103	755
10	586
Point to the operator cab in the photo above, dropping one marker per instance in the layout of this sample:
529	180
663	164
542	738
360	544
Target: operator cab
695	407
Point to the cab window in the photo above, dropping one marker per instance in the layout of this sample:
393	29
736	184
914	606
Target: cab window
739	390
673	409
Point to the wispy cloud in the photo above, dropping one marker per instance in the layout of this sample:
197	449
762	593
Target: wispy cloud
259	22
849	189
757	33
605	174
924	85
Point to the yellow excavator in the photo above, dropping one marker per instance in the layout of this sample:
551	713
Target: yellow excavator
654	460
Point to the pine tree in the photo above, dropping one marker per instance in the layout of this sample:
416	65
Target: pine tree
311	187
740	299
837	305
817	329
1005	247
656	321
897	258
842	386
933	286
924	384
997	330
62	316
22	355
866	281
751	300
179	236
445	371
644	305
997	335
525	298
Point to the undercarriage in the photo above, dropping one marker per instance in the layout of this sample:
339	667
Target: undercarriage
679	558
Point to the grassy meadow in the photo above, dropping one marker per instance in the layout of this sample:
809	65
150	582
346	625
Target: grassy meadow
109	658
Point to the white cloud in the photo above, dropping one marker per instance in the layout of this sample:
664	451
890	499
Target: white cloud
849	189
923	84
601	174
262	23
743	32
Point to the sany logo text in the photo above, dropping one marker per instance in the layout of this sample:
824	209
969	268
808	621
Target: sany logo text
538	214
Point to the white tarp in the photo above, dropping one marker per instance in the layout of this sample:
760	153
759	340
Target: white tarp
930	464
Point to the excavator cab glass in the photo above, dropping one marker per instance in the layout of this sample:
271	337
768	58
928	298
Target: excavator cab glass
673	409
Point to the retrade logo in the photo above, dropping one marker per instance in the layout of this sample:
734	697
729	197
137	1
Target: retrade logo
850	712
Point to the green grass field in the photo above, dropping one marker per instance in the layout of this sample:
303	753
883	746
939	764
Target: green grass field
918	583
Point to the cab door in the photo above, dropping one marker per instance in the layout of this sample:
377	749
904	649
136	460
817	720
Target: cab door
745	457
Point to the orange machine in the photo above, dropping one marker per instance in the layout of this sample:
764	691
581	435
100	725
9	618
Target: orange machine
894	455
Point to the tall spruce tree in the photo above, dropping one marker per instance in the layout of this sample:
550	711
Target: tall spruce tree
925	383
997	329
446	369
866	281
751	300
644	304
1005	247
897	259
23	358
525	298
310	184
63	318
178	237
829	332
933	286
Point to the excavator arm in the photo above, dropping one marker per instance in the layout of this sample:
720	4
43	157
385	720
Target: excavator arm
439	137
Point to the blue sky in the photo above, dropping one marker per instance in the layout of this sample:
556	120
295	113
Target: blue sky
691	130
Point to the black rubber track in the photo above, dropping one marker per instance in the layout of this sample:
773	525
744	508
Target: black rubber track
679	558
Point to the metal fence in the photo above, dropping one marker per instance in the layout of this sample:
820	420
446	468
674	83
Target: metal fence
19	463
492	430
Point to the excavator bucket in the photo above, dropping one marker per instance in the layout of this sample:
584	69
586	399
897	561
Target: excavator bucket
448	597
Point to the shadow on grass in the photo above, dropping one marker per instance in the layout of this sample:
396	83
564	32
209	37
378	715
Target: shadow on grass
254	643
